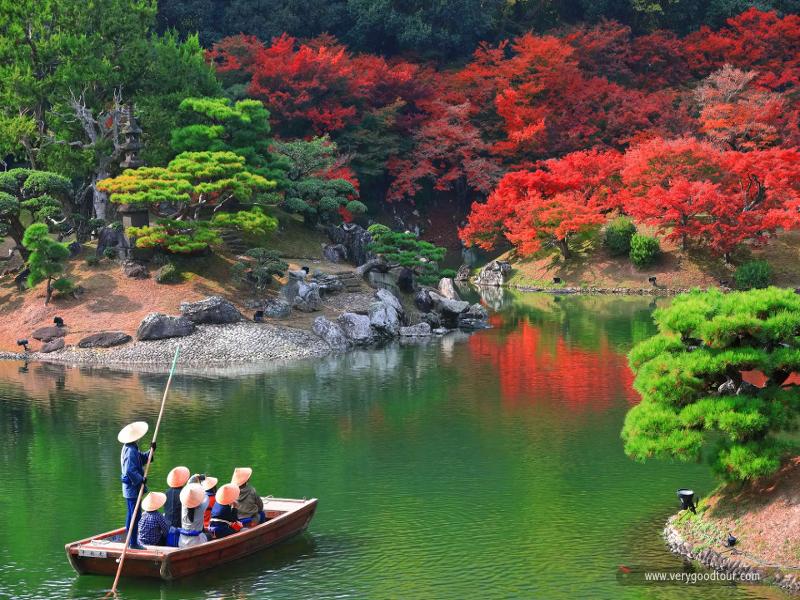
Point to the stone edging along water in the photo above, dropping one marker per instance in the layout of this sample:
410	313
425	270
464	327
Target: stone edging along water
729	562
603	291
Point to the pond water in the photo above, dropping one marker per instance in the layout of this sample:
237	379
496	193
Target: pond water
472	466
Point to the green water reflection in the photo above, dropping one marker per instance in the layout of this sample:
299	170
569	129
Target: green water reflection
475	466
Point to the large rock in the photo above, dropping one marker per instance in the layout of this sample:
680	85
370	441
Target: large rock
356	328
355	240
476	317
214	309
45	334
295	278
405	280
418	330
494	273
449	310
277	308
307	298
373	264
389	298
335	253
135	270
448	289
328	284
111	237
423	300
158	326
53	345
384	319
104	339
332	333
431	318
463	273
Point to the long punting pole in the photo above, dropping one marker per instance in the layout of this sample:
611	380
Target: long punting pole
146	470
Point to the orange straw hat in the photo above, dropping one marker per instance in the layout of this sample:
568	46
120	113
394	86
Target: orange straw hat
208	483
228	494
178	477
131	433
192	495
154	501
241	475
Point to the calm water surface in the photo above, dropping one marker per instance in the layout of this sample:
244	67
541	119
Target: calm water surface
474	466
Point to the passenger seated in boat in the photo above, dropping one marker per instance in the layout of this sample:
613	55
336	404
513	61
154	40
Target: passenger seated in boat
250	505
210	486
176	479
224	516
194	501
153	527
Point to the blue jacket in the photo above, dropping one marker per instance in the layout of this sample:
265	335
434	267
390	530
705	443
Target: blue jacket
172	508
132	463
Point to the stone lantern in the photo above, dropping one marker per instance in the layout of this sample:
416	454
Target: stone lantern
130	145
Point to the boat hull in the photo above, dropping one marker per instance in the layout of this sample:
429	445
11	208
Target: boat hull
98	556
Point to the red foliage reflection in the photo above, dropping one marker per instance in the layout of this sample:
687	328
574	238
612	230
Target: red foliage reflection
534	367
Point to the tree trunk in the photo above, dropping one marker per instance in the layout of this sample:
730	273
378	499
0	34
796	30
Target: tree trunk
564	247
49	291
99	199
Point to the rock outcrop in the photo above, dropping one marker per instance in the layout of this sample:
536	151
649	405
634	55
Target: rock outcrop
335	253
158	326
104	339
463	273
307	298
493	273
212	310
354	239
332	333
356	328
384	319
447	288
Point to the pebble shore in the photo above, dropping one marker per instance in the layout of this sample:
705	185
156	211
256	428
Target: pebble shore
209	344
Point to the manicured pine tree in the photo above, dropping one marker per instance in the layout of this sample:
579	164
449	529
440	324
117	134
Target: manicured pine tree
46	261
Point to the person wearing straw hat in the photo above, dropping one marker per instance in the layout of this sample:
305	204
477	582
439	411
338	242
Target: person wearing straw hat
176	479
153	527
194	500
132	463
251	507
224	516
209	484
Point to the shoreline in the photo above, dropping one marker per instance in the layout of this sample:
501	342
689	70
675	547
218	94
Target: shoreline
743	568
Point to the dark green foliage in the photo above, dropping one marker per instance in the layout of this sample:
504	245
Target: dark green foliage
405	249
169	273
645	250
618	236
30	196
690	378
310	190
110	253
47	258
258	266
92	261
753	274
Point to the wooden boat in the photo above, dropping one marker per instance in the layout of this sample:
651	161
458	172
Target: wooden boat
99	554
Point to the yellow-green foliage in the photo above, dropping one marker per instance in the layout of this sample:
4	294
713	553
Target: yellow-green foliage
254	224
176	237
706	340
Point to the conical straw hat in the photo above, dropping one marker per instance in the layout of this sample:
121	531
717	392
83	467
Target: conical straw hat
209	482
131	433
228	494
241	475
178	477
154	501
192	495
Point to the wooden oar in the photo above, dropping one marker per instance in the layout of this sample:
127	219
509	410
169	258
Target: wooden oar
146	470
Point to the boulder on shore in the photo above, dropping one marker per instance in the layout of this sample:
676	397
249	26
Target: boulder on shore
332	333
384	319
463	273
158	326
423	300
104	339
53	345
493	273
389	298
447	288
46	334
356	328
277	308
307	298
418	330
214	309
476	317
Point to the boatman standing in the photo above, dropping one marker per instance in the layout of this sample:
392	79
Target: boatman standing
132	463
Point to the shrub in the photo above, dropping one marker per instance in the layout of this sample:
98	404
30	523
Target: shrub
92	261
258	266
169	273
63	286
110	253
753	274
405	249
176	237
644	250
48	257
618	236
695	402
254	225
